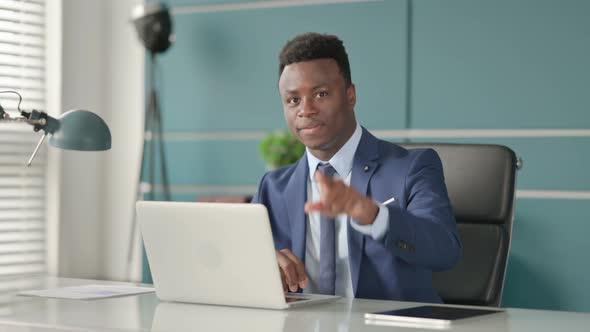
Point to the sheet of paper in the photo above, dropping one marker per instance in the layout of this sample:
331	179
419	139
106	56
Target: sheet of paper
88	292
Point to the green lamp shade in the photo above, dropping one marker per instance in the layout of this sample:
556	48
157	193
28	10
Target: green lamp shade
81	130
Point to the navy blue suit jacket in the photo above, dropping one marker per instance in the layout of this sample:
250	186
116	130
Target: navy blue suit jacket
422	234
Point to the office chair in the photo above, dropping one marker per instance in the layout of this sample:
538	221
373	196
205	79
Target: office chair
480	180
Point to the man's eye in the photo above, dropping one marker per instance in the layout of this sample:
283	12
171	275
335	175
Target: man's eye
292	100
322	94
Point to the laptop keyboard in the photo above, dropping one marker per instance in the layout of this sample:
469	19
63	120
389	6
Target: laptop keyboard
290	298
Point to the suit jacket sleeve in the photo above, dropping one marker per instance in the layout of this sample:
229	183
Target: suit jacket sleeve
276	211
424	233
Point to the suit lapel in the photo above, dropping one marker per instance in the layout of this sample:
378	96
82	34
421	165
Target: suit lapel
295	197
364	165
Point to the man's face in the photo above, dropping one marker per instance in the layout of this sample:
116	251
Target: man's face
318	105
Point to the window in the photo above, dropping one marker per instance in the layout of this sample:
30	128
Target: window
23	252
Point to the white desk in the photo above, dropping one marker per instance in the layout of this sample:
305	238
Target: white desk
145	313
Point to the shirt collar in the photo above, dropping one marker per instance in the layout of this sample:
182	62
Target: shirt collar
342	160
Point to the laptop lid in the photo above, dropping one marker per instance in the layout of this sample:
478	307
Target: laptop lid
213	253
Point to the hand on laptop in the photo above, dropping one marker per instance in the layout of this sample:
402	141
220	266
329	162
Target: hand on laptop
336	198
292	271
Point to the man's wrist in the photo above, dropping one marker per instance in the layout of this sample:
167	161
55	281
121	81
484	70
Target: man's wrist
365	211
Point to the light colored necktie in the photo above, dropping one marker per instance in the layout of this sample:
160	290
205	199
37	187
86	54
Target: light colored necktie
327	284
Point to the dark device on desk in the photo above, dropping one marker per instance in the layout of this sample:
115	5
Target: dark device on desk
427	315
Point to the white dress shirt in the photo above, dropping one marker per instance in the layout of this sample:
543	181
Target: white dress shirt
342	163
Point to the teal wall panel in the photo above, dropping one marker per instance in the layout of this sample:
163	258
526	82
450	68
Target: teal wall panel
231	163
179	197
548	266
501	64
221	73
509	65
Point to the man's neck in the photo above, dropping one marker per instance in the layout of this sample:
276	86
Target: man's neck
342	160
327	154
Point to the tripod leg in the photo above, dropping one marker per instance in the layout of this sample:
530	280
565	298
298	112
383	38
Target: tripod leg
147	139
139	190
160	139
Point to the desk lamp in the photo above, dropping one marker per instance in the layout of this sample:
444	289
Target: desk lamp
74	130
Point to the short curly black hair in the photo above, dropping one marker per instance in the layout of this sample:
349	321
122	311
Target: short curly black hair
314	46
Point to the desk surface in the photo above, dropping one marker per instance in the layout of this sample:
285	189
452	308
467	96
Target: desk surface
146	313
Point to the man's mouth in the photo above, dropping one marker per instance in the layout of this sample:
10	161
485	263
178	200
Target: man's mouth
311	128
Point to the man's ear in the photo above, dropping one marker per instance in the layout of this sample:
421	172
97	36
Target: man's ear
351	94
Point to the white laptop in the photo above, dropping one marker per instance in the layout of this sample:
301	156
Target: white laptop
215	253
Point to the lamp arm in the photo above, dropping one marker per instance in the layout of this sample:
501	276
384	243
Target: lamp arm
39	120
36	122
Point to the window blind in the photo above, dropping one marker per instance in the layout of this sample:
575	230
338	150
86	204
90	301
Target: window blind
22	189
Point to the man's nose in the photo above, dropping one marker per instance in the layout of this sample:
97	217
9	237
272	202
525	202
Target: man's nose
306	107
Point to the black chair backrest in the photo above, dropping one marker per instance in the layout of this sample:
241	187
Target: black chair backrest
480	180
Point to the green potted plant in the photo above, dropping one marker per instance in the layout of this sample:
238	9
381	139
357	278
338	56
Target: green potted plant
280	149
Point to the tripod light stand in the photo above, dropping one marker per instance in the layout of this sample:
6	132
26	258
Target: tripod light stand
154	27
